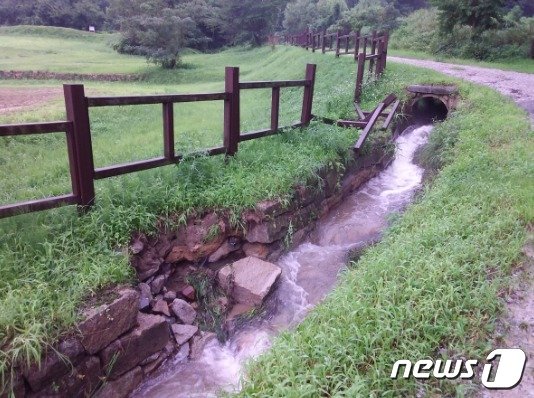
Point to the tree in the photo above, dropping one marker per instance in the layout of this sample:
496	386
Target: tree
250	21
301	15
152	29
370	15
208	30
480	15
77	14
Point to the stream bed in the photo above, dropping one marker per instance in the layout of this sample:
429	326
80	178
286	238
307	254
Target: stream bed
309	272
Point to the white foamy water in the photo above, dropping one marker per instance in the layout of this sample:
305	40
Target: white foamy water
309	272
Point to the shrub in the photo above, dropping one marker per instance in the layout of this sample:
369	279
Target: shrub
417	31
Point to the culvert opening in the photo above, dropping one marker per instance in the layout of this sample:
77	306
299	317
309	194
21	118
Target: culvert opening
429	109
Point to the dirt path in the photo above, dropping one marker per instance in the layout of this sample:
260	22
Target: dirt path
519	86
22	99
518	326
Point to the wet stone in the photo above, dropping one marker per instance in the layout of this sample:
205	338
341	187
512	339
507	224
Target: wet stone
183	311
161	307
157	284
53	366
124	354
249	280
188	292
122	387
182	333
104	324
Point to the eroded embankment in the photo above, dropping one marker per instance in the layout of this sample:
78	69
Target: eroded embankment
309	271
137	329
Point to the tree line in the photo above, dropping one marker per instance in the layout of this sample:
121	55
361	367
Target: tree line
159	29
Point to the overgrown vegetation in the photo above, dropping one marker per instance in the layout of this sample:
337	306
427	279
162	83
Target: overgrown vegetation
508	39
435	286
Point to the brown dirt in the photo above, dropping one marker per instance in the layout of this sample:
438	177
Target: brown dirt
22	99
517	328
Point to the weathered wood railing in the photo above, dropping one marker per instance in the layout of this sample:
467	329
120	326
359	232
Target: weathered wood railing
371	48
78	130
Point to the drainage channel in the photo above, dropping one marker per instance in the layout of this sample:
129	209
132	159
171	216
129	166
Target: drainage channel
309	272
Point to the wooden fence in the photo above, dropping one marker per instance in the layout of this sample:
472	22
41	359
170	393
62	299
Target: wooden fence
78	131
371	48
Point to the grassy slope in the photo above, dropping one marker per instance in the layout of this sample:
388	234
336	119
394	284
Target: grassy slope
52	260
63	50
434	286
518	65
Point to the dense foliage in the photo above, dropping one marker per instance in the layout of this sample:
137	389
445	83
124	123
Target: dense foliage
159	29
510	38
79	14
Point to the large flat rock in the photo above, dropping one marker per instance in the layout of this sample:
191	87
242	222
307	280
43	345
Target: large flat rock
124	354
249	280
104	324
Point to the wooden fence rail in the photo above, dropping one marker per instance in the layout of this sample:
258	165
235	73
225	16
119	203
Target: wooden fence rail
78	131
371	49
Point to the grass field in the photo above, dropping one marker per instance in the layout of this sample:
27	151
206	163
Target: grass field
518	65
469	225
63	50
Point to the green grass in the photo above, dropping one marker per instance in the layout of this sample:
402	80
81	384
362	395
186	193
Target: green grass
435	286
51	261
519	65
63	50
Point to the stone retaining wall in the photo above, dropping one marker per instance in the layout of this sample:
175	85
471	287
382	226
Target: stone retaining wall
130	336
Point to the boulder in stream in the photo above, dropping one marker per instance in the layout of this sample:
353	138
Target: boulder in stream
249	280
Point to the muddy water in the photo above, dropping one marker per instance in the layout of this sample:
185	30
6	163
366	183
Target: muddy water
309	272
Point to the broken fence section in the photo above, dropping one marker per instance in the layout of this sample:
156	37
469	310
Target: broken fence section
367	120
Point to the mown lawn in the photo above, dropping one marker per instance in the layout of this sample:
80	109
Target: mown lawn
40	48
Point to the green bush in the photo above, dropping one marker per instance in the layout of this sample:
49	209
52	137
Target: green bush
419	31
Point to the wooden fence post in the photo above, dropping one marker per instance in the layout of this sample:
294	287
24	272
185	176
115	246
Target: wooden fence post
356	45
231	110
347	42
323	42
373	52
379	60
307	100
168	130
359	77
337	43
385	50
275	108
313	41
78	114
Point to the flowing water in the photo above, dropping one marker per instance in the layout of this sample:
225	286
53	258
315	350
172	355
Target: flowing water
309	272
